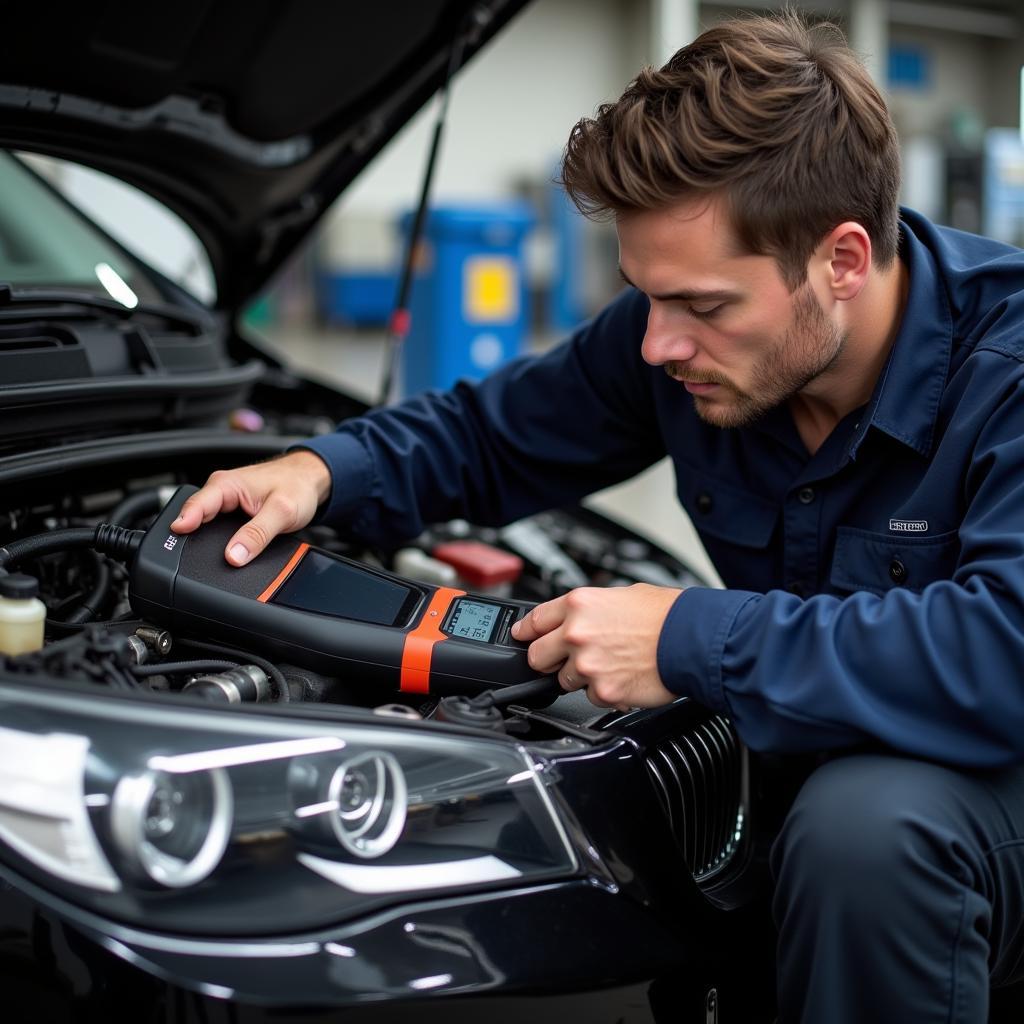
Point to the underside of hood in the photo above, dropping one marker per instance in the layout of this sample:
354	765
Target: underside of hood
247	119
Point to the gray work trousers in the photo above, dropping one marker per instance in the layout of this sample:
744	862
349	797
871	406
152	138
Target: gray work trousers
899	892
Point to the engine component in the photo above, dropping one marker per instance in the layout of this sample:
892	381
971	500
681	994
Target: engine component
22	614
418	565
484	568
529	541
140	652
245	683
465	711
159	641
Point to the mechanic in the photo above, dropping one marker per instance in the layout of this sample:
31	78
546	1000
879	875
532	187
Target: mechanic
839	384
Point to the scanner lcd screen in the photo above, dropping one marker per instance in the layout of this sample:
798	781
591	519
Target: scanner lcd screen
323	584
474	620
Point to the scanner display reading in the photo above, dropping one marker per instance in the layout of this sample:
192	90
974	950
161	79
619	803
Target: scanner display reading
474	620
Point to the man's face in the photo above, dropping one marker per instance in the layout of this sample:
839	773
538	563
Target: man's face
723	323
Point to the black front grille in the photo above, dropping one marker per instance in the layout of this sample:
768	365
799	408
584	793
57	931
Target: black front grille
699	778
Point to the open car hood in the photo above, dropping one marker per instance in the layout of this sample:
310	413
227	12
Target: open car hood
247	119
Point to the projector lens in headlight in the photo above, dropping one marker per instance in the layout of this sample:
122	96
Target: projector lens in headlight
172	829
371	794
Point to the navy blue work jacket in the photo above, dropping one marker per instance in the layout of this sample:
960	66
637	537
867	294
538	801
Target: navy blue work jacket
875	589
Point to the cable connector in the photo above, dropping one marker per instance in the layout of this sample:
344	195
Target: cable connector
118	542
535	692
115	541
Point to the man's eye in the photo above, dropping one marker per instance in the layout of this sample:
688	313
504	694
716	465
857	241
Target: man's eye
705	312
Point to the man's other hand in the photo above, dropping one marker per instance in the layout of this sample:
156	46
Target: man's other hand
280	495
605	640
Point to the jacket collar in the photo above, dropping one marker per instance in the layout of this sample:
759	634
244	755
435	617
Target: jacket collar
905	403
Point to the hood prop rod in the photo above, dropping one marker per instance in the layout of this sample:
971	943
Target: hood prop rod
401	318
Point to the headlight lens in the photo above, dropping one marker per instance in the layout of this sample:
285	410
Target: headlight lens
370	793
258	822
173	829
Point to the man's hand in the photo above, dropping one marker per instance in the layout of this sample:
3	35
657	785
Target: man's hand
281	495
605	640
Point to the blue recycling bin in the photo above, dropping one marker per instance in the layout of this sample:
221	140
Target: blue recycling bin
362	298
469	299
568	305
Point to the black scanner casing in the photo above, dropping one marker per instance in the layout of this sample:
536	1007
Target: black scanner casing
183	583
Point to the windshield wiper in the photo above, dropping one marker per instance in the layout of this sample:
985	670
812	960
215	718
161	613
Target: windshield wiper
10	297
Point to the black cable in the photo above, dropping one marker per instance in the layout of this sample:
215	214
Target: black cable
116	673
135	506
54	627
283	694
105	538
90	654
66	643
93	601
544	686
43	543
170	667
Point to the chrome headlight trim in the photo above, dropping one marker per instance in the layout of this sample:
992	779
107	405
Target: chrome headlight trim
388	775
129	808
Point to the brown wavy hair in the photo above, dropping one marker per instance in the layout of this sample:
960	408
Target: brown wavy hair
776	114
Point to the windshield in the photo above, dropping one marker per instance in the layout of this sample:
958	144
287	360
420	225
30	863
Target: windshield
44	243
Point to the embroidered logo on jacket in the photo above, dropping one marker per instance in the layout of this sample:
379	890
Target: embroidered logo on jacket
908	525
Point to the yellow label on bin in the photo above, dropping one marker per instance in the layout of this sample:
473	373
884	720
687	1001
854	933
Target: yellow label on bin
490	290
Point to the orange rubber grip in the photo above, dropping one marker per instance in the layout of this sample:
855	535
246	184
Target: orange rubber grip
419	642
283	574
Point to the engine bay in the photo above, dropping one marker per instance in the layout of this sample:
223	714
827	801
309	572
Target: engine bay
93	638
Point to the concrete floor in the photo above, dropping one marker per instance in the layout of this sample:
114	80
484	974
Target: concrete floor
354	359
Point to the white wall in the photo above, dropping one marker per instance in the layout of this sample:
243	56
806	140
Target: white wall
509	117
511	109
959	75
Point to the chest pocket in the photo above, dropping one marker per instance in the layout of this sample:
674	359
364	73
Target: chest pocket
726	512
880	562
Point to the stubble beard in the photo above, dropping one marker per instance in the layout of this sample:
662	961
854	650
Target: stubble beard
809	347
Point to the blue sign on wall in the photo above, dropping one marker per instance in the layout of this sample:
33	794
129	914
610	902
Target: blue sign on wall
910	67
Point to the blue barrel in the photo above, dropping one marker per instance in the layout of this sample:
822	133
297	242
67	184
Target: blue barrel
469	299
568	304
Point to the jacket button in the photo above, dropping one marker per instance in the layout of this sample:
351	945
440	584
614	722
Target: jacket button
897	571
805	495
704	502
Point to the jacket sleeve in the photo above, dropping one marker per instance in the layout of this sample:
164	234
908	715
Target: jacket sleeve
540	433
936	674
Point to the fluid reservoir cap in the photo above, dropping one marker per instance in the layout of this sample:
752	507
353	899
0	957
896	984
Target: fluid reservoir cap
19	586
480	565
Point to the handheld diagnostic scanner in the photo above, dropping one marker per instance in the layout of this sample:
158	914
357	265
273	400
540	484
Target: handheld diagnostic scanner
307	606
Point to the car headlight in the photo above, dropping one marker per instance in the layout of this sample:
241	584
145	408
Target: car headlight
229	822
172	829
366	803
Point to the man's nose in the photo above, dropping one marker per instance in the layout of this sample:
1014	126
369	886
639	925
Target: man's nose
666	342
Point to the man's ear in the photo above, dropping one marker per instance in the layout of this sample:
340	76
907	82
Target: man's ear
846	254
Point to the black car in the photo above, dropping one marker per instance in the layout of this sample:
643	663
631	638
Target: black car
192	830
